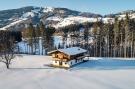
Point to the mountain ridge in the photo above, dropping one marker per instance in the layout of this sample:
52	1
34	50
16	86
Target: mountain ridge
50	16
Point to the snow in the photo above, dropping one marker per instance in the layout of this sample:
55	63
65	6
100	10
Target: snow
28	14
48	9
57	40
55	18
24	47
74	20
13	23
36	10
80	19
31	72
108	20
132	16
123	16
10	19
61	11
108	64
72	50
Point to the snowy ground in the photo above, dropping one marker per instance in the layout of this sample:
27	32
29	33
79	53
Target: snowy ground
31	72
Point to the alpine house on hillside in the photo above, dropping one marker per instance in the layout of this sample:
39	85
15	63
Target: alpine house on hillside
67	57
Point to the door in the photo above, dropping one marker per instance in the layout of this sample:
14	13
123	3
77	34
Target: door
60	63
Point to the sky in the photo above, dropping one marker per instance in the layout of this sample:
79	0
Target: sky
95	6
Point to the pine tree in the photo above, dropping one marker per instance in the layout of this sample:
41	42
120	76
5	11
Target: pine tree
43	37
126	35
31	37
116	37
94	32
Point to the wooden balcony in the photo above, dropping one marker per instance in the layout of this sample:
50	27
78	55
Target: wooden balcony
64	60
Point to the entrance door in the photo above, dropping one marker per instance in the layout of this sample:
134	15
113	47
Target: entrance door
60	63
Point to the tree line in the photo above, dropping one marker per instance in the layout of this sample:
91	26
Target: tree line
39	38
114	40
109	39
100	39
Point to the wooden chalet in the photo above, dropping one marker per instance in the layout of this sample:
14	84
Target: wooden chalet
67	57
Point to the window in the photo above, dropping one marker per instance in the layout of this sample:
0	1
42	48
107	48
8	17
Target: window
81	59
57	56
76	60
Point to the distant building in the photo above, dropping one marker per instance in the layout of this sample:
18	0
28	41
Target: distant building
67	57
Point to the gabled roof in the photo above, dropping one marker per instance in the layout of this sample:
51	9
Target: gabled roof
70	51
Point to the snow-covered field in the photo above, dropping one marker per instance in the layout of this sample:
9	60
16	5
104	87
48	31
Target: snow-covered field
32	72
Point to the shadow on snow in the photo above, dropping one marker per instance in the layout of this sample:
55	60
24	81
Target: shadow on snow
106	64
33	68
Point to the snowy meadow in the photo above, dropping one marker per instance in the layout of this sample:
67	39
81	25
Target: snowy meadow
32	72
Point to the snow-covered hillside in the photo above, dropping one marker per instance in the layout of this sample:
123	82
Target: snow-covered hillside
74	20
123	16
28	14
32	72
21	20
60	16
55	17
77	20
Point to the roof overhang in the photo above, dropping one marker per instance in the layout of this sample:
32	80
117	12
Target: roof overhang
69	51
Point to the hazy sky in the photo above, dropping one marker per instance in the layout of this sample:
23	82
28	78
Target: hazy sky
95	6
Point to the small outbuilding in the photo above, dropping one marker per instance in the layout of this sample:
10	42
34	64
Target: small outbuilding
67	57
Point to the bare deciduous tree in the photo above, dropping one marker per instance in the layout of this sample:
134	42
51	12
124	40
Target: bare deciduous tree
7	49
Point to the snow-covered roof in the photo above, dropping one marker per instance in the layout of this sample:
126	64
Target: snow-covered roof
70	51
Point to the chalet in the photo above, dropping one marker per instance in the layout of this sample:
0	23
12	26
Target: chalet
67	57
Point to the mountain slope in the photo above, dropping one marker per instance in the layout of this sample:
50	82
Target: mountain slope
15	19
50	16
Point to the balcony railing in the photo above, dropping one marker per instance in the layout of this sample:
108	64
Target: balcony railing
57	59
